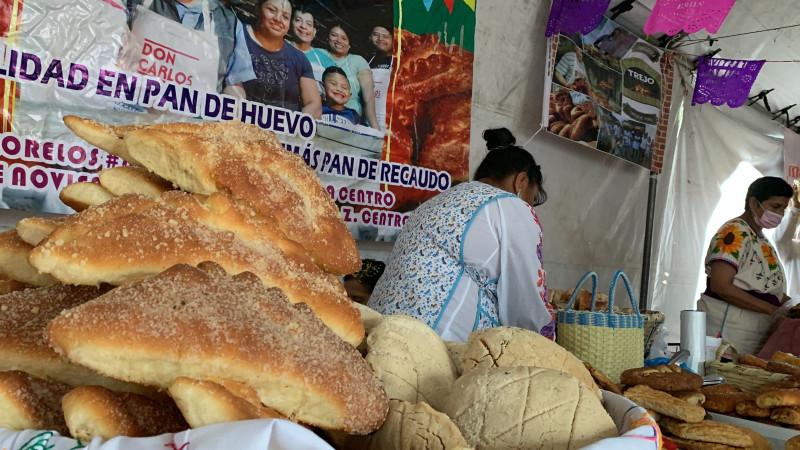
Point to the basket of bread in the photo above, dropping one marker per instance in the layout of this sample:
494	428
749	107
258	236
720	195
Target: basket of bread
198	290
749	373
679	402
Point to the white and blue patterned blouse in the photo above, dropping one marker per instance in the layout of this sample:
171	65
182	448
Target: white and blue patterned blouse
467	259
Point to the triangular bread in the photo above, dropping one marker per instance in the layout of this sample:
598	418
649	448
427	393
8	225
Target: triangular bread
135	236
14	261
202	323
134	180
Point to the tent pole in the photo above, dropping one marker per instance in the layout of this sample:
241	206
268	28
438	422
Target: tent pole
644	291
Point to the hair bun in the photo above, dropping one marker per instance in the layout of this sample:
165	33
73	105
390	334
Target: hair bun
498	137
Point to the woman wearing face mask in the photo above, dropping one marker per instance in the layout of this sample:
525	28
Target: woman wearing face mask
471	257
746	282
362	86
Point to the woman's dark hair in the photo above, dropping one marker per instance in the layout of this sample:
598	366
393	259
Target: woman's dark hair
505	158
370	273
258	16
765	187
334	69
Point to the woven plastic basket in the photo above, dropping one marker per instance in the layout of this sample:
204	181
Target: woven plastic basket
609	341
747	378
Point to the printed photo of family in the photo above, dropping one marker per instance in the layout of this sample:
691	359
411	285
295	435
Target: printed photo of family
310	56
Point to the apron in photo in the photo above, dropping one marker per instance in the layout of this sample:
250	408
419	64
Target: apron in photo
381	78
163	48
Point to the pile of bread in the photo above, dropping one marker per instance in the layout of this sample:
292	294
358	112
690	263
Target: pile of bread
776	403
678	401
195	287
504	388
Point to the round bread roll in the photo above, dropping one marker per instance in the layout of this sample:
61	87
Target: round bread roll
411	361
409	427
526	407
510	346
456	351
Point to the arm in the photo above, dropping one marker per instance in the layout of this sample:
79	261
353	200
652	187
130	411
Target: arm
521	289
560	79
786	230
721	276
368	97
309	95
236	90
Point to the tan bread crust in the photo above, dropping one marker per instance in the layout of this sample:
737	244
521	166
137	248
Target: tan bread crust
31	403
751	409
202	323
411	426
80	196
793	443
510	346
206	403
787	358
779	397
665	404
725	402
526	407
754	361
694	397
663	378
33	230
134	236
275	182
602	380
23	318
134	180
708	431
14	263
689	444
102	136
780	367
94	411
789	415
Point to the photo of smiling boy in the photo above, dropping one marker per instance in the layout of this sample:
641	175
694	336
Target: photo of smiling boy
337	94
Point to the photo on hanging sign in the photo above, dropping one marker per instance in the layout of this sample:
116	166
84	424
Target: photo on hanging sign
608	43
378	166
620	73
573	115
641	75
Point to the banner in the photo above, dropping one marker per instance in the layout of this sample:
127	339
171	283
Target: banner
791	155
605	91
374	96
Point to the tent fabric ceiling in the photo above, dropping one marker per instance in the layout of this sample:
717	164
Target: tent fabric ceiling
747	16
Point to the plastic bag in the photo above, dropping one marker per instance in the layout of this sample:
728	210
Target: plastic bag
660	348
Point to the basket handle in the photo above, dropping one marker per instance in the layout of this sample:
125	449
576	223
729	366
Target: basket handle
724	348
634	303
574	295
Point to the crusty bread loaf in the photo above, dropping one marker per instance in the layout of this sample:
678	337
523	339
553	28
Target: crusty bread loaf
23	317
665	404
14	263
694	397
411	361
779	397
204	402
133	180
754	361
787	358
751	409
134	236
102	136
202	323
8	286
602	380
275	182
789	415
793	443
708	431
369	317
725	402
780	367
411	426
668	378
526	407
33	230
510	346
92	411
80	196
28	402
456	351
